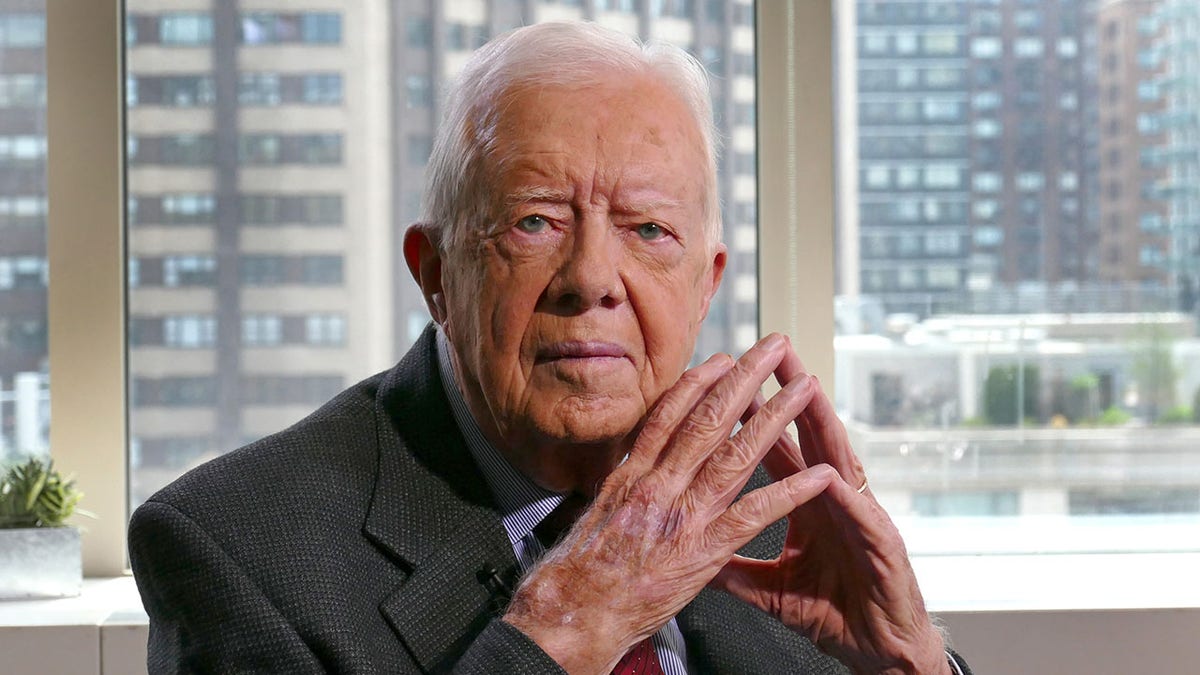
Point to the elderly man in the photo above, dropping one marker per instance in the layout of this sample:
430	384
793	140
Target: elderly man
546	430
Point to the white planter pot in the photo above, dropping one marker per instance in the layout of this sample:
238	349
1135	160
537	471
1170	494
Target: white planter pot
40	562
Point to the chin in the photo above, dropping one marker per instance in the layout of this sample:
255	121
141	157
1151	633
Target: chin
594	421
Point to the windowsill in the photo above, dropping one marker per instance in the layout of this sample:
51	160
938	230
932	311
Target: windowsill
1006	613
103	602
1095	582
955	583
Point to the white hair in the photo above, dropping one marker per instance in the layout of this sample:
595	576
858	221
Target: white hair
459	196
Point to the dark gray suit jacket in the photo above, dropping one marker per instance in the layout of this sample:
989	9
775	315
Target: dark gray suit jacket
354	542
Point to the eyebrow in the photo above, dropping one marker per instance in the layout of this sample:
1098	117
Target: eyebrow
535	194
636	204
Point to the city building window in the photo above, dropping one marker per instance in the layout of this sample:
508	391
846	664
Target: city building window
259	89
187	209
307	390
943	176
321	270
189	331
322	88
22	149
262	270
176	391
419	92
986	47
986	181
185	29
941	43
419	147
321	28
988	236
1027	47
262	330
22	90
189	270
23	272
179	91
673	8
325	329
417	31
941	276
22	30
314	28
1029	181
874	43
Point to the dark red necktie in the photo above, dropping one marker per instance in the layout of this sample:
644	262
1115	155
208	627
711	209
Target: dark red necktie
641	660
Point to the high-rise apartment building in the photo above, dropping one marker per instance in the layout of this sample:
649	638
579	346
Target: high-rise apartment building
23	208
972	151
1177	53
1132	244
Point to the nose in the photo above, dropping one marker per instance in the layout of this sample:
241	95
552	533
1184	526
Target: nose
588	275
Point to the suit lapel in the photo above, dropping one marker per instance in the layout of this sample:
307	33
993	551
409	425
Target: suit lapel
432	512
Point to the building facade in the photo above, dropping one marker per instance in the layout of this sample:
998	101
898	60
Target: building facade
973	152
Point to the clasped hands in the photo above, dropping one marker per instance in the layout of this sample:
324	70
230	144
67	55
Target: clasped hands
667	523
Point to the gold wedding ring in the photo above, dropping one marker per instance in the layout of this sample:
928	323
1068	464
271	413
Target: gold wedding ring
862	488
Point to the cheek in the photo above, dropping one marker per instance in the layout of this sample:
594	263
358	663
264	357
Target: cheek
668	314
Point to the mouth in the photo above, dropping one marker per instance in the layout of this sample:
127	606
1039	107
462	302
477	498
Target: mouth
580	350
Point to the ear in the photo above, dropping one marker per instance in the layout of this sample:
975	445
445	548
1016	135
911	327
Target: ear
713	279
424	260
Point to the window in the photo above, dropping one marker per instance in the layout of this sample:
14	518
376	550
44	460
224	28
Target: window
185	29
322	88
417	32
279	209
325	329
148	449
985	47
188	270
418	91
178	91
259	89
1028	47
262	330
1059	222
313	28
189	331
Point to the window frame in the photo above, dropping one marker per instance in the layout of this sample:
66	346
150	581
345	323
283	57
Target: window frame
86	245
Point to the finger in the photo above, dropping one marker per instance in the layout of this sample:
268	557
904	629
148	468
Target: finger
784	458
713	417
823	437
671	408
746	517
747	579
727	469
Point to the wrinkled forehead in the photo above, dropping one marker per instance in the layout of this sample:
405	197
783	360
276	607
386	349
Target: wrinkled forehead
628	128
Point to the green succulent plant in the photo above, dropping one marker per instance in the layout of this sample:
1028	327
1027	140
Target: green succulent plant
33	494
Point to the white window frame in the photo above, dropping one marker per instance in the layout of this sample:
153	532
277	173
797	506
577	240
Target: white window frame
87	342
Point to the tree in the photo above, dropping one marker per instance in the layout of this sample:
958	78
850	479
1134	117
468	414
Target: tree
1154	371
1000	394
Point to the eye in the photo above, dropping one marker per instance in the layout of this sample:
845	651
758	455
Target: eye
532	224
650	231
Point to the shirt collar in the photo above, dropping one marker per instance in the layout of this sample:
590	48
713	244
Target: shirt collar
523	504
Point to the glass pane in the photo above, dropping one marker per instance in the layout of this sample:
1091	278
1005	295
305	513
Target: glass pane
1017	309
24	380
275	156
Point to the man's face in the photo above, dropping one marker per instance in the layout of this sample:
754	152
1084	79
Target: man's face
580	304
